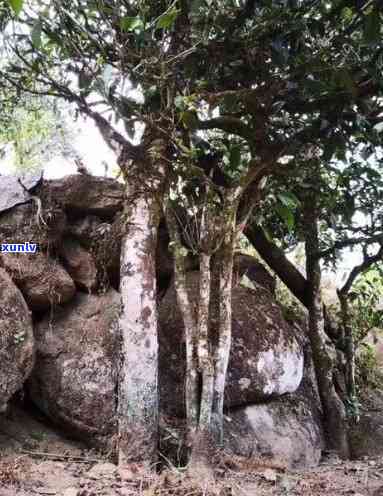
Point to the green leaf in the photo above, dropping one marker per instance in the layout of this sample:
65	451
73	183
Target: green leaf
166	20
286	215
372	27
347	14
179	102
131	24
16	5
36	34
289	200
235	157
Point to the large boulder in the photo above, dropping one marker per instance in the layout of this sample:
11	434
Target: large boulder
25	223
266	359
103	240
366	436
283	430
42	280
74	381
16	340
82	194
14	190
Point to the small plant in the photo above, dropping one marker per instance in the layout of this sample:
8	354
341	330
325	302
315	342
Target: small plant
38	436
19	337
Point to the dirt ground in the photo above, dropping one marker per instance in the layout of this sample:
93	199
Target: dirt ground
37	460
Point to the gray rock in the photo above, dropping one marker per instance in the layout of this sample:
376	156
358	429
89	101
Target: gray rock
20	224
266	358
16	340
11	191
85	194
366	437
42	280
74	380
285	431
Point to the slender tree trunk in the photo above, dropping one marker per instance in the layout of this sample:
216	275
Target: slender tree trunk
191	386
205	359
287	273
222	352
349	350
323	356
200	460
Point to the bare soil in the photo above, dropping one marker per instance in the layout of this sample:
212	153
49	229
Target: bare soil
35	459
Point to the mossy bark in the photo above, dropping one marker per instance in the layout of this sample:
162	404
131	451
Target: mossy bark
349	351
324	355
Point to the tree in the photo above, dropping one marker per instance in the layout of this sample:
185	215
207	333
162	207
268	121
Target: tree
331	207
277	90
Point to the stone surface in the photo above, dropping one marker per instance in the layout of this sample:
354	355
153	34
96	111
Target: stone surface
285	431
79	263
102	470
366	437
16	340
84	229
74	379
85	194
266	359
42	280
21	224
246	265
11	191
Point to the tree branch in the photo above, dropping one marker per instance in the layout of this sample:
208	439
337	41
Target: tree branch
230	125
368	261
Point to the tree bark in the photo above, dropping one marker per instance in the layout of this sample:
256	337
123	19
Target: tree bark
349	351
138	395
190	326
205	358
324	355
222	352
287	273
138	322
279	263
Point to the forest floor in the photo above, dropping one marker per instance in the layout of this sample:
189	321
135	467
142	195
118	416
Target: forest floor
37	460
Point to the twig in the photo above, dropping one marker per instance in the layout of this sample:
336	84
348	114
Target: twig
36	199
79	459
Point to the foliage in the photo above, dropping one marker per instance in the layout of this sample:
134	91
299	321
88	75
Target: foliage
367	299
34	130
368	373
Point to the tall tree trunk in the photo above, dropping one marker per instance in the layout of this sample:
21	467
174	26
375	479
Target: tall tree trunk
138	322
138	395
323	355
